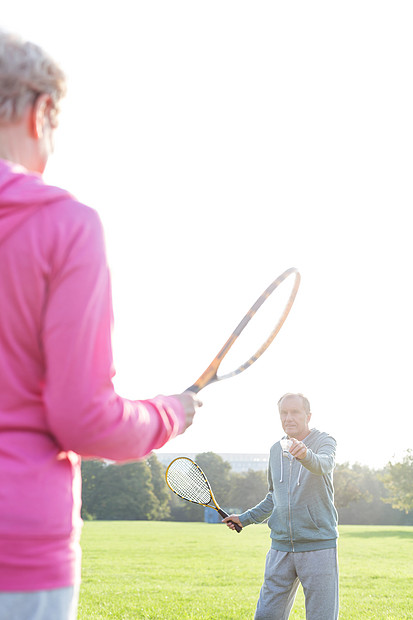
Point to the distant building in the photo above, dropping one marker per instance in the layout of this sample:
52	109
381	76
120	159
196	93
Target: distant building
238	462
244	462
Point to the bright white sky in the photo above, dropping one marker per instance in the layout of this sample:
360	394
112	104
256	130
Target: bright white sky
223	142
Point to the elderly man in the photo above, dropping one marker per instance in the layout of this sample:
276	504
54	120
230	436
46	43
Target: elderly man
57	400
302	519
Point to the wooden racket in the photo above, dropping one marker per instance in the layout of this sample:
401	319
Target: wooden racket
210	375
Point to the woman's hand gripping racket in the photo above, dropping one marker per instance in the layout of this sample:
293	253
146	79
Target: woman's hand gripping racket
283	297
185	478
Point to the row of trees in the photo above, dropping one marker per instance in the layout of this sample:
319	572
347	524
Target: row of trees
137	491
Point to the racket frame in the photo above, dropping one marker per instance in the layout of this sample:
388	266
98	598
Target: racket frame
213	505
210	375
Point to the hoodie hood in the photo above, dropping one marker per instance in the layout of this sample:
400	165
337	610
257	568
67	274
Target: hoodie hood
22	193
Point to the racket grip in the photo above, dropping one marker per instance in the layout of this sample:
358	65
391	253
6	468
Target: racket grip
193	388
224	514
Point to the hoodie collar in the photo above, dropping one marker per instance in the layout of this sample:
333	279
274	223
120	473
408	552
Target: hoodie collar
22	193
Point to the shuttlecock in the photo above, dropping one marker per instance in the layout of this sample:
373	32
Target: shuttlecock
286	444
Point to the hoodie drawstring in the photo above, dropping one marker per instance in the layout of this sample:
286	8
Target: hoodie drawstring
282	470
299	475
281	464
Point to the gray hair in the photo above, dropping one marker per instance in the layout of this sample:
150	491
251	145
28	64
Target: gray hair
26	71
305	401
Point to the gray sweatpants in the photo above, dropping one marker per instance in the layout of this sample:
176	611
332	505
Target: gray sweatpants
59	604
318	573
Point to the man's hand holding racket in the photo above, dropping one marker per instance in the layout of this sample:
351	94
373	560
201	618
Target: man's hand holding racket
231	520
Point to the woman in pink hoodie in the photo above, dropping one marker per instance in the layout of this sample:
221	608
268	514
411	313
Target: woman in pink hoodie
57	400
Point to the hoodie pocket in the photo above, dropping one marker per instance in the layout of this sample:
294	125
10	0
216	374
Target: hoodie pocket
304	525
278	522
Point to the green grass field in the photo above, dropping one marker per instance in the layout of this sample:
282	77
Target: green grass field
177	571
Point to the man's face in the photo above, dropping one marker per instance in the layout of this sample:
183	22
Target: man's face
294	418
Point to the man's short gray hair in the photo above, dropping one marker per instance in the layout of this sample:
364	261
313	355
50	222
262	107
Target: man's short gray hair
305	401
26	71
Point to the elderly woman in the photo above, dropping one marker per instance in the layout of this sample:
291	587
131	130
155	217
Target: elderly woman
57	401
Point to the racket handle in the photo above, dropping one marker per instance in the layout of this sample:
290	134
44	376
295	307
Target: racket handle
224	514
194	389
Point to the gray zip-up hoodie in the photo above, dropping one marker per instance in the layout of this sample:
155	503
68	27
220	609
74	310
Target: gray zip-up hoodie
300	501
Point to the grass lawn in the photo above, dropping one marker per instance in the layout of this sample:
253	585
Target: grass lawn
180	571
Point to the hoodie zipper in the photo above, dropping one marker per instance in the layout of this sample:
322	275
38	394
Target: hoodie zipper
289	505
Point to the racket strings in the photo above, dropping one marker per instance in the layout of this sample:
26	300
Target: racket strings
188	481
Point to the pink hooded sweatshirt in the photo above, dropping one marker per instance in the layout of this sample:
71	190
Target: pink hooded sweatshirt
57	399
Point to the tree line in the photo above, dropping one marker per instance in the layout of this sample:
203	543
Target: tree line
138	491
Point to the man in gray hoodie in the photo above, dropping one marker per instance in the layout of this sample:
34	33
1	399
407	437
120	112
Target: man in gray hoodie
301	515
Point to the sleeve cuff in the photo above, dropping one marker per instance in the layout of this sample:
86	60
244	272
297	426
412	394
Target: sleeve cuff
176	413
